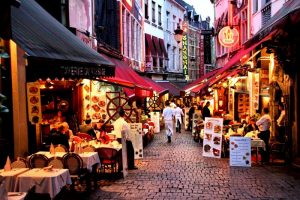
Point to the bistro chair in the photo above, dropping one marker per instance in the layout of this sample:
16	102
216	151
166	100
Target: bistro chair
74	163
278	151
38	161
108	159
89	148
56	162
60	148
19	163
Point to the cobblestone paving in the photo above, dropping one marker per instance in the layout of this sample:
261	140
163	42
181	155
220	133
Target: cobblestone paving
178	171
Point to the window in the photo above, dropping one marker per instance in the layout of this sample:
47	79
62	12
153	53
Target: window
174	22
168	20
174	58
159	15
153	11
125	31
255	6
129	40
244	26
266	14
146	9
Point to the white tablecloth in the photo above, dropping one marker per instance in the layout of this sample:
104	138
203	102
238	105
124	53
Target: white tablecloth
11	176
16	195
97	145
45	181
88	158
258	143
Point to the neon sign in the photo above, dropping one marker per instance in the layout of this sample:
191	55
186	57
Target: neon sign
228	37
185	57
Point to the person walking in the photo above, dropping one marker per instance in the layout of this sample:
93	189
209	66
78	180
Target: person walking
168	115
206	111
178	118
121	125
264	124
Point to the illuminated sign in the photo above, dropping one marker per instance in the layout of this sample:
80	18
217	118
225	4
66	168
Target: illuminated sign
185	57
128	3
228	37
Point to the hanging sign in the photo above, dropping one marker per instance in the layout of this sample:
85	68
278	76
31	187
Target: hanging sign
228	37
185	56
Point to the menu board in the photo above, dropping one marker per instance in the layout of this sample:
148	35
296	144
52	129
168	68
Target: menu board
197	120
240	151
94	101
255	98
136	138
155	119
186	118
212	142
34	102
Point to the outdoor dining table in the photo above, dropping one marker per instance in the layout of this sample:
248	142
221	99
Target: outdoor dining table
11	176
97	145
89	158
50	181
257	143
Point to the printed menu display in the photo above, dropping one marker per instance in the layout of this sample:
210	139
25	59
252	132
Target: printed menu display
212	142
186	118
240	151
136	138
197	120
155	119
34	102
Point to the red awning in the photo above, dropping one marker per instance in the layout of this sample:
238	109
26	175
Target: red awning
149	44
163	48
236	58
125	72
173	90
157	46
199	80
200	87
220	77
156	87
119	81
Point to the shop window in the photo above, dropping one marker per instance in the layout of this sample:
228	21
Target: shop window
159	16
146	10
153	11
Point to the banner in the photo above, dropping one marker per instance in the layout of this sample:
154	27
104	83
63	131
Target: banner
240	151
34	102
212	142
136	138
155	119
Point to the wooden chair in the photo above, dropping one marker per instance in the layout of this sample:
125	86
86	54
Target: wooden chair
89	148
108	159
19	163
56	162
60	148
38	161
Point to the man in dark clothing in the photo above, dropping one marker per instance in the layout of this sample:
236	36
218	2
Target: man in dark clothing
191	113
59	137
87	128
206	111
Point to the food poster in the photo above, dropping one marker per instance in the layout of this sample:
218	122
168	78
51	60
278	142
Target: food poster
136	137
155	119
197	120
94	100
240	151
212	142
186	118
124	155
34	102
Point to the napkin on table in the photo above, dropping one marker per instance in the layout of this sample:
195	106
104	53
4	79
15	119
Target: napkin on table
7	166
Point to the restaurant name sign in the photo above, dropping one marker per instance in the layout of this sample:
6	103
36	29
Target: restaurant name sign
82	72
228	36
185	57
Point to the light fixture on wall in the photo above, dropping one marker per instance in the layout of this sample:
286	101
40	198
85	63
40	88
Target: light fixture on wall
178	33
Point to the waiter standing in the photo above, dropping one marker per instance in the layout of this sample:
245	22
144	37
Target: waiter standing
168	115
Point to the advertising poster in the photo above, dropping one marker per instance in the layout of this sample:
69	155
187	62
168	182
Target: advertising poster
136	137
197	120
240	151
155	119
34	102
212	142
94	101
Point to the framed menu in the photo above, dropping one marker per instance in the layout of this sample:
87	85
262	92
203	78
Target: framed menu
34	102
240	151
136	138
186	118
155	119
212	142
197	119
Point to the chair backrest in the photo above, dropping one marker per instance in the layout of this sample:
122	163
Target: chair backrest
73	162
19	163
107	153
85	136
89	148
56	162
38	161
60	148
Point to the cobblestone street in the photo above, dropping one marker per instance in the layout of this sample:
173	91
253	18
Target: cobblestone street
178	171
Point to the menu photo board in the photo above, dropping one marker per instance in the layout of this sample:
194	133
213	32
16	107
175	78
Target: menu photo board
240	151
34	102
154	116
212	142
197	120
186	118
136	137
